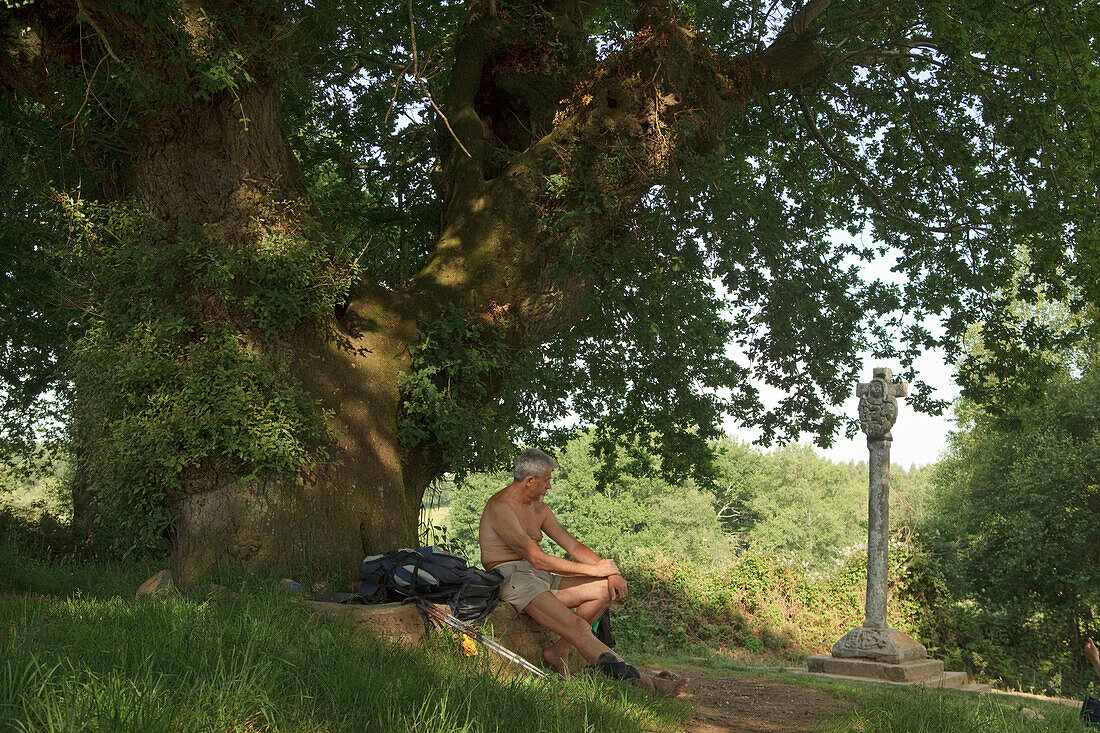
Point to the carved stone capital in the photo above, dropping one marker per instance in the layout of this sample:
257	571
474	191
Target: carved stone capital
878	404
879	645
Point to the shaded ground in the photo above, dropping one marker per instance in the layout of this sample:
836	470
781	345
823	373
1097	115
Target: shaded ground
755	705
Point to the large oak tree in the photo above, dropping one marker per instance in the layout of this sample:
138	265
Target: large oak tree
286	263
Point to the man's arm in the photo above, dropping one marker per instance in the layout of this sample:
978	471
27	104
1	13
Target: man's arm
581	553
1092	655
576	549
504	521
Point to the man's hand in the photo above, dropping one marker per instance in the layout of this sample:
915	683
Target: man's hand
617	586
1092	654
605	568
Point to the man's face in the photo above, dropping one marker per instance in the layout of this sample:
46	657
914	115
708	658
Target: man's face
539	484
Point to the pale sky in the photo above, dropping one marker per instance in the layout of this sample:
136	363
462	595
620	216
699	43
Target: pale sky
918	438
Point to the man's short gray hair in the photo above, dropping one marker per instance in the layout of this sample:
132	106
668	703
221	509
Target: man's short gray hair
533	462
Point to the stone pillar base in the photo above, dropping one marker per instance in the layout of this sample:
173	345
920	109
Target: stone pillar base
878	645
883	655
928	672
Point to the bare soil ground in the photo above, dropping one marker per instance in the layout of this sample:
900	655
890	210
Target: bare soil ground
755	705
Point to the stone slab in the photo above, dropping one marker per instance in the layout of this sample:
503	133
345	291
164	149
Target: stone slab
949	680
976	687
403	623
914	671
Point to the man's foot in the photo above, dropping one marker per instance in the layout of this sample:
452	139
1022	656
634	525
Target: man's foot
553	657
665	687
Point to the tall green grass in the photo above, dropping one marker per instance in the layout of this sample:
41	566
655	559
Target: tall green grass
263	662
885	709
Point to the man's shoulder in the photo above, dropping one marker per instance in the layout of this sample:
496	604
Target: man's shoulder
496	504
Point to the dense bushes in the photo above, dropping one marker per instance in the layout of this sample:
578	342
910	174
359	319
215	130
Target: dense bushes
771	561
1012	571
635	512
789	503
756	605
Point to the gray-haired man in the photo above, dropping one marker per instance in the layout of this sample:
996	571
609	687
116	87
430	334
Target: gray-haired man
546	587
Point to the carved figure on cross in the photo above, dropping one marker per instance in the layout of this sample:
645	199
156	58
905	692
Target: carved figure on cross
878	404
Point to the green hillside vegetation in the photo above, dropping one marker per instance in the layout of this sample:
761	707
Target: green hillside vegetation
991	560
767	564
788	503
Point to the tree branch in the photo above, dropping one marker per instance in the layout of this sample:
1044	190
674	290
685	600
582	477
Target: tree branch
799	22
84	14
22	67
859	174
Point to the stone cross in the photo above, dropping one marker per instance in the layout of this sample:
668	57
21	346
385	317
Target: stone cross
878	409
874	640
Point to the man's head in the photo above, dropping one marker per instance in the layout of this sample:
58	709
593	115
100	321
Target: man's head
535	463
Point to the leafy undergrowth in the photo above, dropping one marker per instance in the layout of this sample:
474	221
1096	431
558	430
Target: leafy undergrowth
761	608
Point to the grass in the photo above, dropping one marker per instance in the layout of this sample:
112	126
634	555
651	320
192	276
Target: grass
887	709
81	653
263	662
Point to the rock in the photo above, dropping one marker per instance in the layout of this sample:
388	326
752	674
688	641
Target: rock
159	583
292	587
1031	714
214	592
403	623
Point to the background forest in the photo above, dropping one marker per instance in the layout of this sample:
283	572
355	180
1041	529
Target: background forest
992	558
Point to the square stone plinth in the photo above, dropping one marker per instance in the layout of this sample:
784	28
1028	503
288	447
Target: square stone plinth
922	670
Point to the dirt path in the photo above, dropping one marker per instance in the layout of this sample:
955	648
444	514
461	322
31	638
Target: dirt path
755	705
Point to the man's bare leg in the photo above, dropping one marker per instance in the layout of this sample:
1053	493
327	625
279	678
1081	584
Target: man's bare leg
590	598
574	630
550	613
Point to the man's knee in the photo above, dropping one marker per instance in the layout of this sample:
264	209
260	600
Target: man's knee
598	590
578	625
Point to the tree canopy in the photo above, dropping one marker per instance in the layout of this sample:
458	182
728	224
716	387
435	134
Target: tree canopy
386	241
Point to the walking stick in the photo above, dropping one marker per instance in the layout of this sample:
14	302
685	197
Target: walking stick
442	616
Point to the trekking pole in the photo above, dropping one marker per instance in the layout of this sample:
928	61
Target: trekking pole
444	617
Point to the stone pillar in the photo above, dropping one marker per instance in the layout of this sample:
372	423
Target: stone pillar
875	640
874	651
878	409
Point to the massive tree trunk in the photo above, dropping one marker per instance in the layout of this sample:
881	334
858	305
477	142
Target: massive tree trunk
508	254
224	167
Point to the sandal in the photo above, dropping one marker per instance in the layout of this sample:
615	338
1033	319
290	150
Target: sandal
616	669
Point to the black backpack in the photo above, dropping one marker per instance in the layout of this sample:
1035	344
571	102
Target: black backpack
430	574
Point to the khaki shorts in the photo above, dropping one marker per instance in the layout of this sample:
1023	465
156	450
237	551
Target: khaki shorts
523	583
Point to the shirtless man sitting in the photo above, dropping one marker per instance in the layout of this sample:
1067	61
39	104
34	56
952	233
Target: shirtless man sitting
547	587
